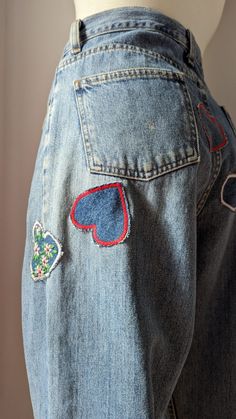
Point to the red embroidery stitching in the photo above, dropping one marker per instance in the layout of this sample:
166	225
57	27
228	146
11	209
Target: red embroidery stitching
93	226
215	121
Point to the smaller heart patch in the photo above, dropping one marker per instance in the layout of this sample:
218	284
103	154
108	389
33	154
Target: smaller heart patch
46	253
213	129
104	210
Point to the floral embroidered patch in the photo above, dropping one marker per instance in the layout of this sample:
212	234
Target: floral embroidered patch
104	210
46	253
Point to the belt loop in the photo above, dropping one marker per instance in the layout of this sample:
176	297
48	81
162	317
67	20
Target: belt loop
189	55
75	36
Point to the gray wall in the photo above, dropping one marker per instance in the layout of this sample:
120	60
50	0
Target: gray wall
32	35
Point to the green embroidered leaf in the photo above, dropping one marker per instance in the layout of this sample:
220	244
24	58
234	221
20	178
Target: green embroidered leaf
46	269
38	235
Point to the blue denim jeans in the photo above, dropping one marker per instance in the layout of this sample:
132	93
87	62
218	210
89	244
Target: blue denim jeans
128	280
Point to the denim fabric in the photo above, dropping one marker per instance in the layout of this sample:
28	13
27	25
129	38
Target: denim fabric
103	209
135	177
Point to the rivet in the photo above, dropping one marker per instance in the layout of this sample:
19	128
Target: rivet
77	83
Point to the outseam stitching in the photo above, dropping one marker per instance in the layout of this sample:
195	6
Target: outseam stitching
50	107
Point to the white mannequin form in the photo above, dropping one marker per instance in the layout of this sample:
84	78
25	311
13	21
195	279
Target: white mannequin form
200	16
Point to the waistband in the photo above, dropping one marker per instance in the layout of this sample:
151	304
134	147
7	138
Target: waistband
133	17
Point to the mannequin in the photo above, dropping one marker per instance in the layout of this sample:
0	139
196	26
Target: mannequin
199	16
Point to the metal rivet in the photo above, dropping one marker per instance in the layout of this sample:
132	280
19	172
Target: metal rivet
77	83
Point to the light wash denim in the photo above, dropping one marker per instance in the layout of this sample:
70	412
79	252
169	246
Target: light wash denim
129	272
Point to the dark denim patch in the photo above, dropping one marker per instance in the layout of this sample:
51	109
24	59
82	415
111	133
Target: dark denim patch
104	210
228	192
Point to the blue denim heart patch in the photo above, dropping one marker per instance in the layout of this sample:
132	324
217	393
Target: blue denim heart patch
104	210
47	252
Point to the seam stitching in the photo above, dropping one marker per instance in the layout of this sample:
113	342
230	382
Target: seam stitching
133	48
216	170
50	105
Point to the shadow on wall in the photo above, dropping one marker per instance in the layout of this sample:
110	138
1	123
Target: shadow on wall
34	36
219	60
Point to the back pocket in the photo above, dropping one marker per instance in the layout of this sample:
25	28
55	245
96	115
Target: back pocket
137	123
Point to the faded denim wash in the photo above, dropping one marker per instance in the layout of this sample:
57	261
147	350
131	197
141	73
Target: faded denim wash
128	281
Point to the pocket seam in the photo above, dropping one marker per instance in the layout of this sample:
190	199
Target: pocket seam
153	170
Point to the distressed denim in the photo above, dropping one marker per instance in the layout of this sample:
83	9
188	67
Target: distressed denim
128	279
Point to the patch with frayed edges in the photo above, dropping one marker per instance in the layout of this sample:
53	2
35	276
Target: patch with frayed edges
47	252
228	192
213	129
104	210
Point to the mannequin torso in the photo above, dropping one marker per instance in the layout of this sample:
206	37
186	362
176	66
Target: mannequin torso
199	16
